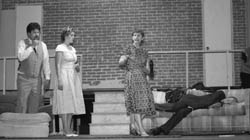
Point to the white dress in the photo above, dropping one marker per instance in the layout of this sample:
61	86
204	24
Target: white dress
69	100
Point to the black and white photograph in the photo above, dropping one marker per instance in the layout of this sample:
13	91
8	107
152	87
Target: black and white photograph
125	69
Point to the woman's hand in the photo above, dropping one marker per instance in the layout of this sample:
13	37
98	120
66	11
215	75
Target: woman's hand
77	67
28	43
60	85
123	60
216	105
145	70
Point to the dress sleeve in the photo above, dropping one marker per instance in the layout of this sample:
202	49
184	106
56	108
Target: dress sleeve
126	50
60	48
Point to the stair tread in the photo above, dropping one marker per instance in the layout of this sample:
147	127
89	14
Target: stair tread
109	92
105	89
108	103
108	113
98	124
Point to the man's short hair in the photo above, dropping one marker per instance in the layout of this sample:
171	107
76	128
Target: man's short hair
32	26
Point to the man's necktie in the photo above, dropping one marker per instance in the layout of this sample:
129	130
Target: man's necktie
34	50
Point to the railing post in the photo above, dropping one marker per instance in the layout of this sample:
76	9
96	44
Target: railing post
187	69
227	61
4	76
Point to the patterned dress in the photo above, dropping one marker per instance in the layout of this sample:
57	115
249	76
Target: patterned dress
138	95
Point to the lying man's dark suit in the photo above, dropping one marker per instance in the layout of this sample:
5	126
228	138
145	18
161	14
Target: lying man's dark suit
183	107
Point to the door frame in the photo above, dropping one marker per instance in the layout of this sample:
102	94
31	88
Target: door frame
229	81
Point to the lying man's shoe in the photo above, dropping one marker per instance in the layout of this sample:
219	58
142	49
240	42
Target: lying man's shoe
155	131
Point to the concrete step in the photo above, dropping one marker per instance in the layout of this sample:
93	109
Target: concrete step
110	118
99	107
110	97
109	114
109	129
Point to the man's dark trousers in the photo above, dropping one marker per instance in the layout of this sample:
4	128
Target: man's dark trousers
183	107
245	80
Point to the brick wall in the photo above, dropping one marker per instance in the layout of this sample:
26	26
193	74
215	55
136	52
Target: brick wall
240	34
103	28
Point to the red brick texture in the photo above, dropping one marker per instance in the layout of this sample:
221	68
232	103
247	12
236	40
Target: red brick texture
103	28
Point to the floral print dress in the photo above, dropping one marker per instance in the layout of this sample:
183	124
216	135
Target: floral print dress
138	95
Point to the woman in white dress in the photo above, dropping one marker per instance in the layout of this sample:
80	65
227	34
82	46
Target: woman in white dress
68	97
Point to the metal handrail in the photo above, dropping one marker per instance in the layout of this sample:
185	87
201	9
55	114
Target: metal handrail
15	58
187	52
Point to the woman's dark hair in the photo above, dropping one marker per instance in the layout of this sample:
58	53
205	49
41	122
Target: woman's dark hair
151	68
140	32
244	57
32	26
65	32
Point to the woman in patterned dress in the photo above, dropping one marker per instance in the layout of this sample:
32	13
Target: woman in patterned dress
68	98
138	96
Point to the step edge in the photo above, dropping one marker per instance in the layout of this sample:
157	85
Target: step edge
109	113
109	92
108	103
102	124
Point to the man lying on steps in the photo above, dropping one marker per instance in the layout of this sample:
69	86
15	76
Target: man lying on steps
183	107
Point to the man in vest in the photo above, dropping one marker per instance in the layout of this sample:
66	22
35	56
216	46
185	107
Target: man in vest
245	68
33	64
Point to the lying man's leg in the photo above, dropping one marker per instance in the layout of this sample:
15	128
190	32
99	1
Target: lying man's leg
170	107
184	107
172	122
198	102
